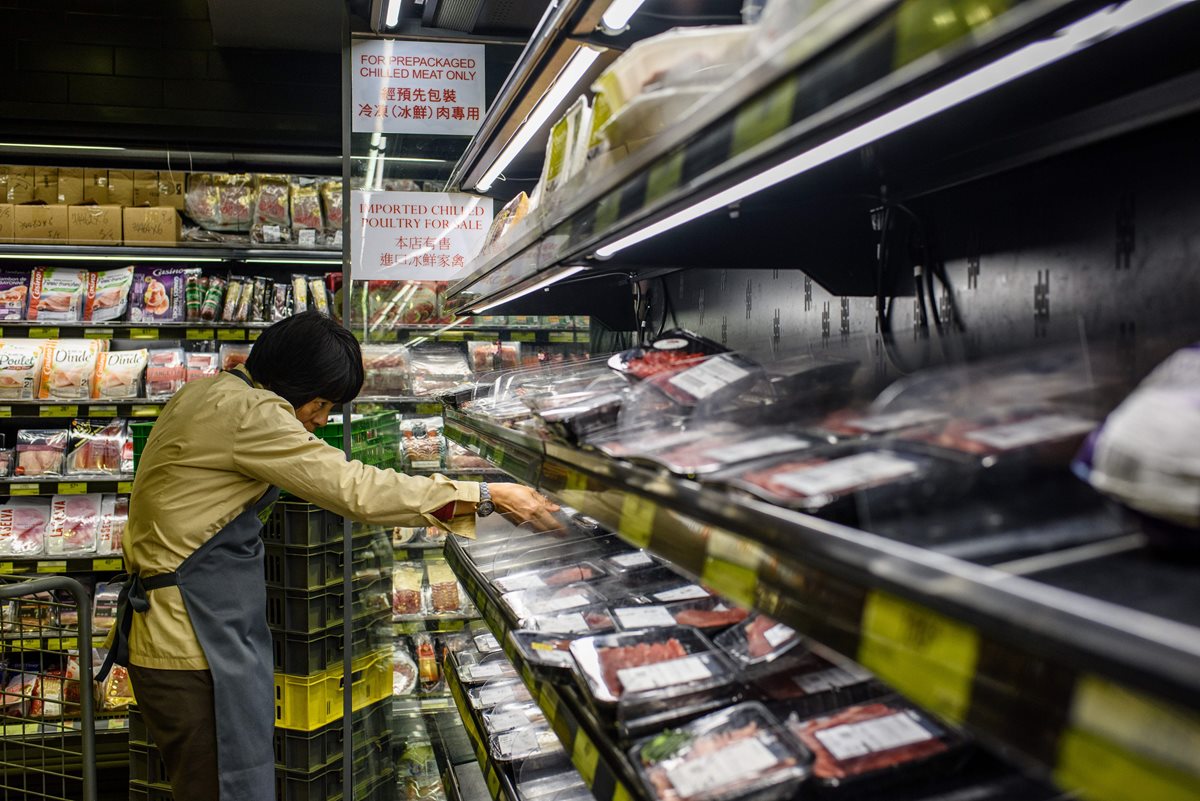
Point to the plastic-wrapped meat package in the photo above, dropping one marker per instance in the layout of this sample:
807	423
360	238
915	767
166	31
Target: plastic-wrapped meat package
306	211
69	368
159	294
437	370
421	443
201	201
41	451
56	293
193	291
331	200
14	294
443	590
119	374
487	356
114	514
104	606
404	670
233	355
202	365
860	423
757	640
214	299
166	372
23	526
674	350
7	456
234	200
715	378
20	695
386	370
96	448
21	368
407	581
107	295
272	215
74	523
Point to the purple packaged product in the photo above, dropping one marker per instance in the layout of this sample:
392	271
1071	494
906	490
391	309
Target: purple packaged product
159	295
14	294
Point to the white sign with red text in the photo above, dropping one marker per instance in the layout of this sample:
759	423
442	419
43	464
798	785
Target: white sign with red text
416	236
417	87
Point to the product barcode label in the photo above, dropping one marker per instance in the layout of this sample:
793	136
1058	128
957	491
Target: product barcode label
831	679
639	617
778	634
852	740
271	233
664	674
307	238
507	721
688	592
636	559
515	583
729	765
337	239
564	624
705	379
1031	432
848	473
552	656
558	604
757	448
894	421
431	464
486	671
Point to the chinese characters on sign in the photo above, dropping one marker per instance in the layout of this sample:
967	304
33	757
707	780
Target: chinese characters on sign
417	87
416	236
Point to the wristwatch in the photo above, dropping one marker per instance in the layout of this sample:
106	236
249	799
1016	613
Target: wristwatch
485	506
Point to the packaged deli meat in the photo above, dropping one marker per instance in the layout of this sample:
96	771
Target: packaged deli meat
56	294
758	639
74	524
385	369
702	613
21	368
533	745
1046	436
708	380
721	449
14	294
738	753
96	448
159	294
166	372
577	417
476	669
119	374
24	523
545	649
855	423
202	365
513	716
107	295
408	579
69	368
586	620
813	682
672	351
530	604
886	737
498	693
41	451
552	577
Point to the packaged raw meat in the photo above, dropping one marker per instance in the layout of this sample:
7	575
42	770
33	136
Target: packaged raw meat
104	607
620	564
531	604
166	372
272	215
23	526
56	293
96	448
407	581
473	669
404	670
21	368
702	613
872	740
69	368
738	753
723	448
486	643
813	681
860	423
551	577
202	365
709	379
306	211
489	356
640	678
512	717
214	299
498	693
578	417
587	620
159	294
119	374
437	370
385	369
41	451
445	597
545	649
232	355
107	295
114	514
74	524
757	640
672	351
14	294
533	745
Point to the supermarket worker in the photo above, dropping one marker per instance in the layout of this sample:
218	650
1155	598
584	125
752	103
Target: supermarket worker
192	624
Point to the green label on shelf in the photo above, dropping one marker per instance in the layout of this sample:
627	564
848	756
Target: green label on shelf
925	655
97	333
576	481
522	336
451	336
72	487
55	566
143	333
620	793
763	117
585	756
562	336
199	333
62	644
23	489
145	410
664	176
637	519
5	411
58	411
124	487
102	411
731	566
6	568
1099	770
583	336
255	334
231	334
484	336
42	332
115	563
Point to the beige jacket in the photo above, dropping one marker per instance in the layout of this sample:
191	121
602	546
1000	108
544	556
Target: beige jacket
217	447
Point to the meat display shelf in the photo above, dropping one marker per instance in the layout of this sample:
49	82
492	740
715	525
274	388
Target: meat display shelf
58	410
851	96
983	648
415	624
422	704
184	251
539	336
56	727
499	782
66	485
61	564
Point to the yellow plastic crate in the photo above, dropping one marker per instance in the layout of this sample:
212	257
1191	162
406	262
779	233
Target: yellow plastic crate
306	703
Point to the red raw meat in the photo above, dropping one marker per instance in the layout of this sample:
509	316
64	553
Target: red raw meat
652	362
616	659
569	575
756	636
827	766
710	618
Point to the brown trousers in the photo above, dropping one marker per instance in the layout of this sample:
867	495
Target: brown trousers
177	706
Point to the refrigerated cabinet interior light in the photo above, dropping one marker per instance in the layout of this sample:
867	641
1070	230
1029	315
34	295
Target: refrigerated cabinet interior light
1072	39
616	17
557	276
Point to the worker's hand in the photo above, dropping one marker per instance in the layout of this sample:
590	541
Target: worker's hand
520	504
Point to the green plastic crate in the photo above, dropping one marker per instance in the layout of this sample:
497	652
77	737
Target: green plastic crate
140	433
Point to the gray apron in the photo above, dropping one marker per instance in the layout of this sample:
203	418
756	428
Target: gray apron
225	595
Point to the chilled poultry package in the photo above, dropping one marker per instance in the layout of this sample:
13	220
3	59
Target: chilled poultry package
119	374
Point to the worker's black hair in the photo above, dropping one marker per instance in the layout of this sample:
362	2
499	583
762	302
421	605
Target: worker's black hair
308	356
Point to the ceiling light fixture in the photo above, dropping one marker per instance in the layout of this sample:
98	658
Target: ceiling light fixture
558	275
1068	41
616	17
392	16
85	257
564	83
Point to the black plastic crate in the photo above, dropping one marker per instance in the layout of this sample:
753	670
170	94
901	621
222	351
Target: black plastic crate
309	751
314	611
306	654
320	567
146	765
374	767
138	734
141	791
296	523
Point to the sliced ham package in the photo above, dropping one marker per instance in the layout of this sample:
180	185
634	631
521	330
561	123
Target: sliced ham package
69	368
14	294
166	372
23	525
114	514
21	368
202	365
107	295
41	451
96	448
56	293
74	524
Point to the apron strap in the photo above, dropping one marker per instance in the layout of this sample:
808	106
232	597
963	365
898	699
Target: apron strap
132	598
242	376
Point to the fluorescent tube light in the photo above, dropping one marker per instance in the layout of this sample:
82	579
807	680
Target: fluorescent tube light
565	272
1068	41
410	159
292	261
84	257
564	83
392	16
24	145
616	18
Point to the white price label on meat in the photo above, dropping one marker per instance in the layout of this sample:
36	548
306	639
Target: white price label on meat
757	448
493	696
852	740
709	377
845	474
529	581
831	679
636	559
1030	432
487	642
507	721
517	743
558	604
644	617
893	421
778	634
564	624
664	674
734	763
688	592
486	671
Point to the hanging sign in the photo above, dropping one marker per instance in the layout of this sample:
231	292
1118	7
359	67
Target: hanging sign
416	236
417	87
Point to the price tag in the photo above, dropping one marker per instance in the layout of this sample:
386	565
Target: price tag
231	334
254	334
6	568
144	410
55	566
337	239
102	411
109	564
124	487
925	655
639	617
664	176
5	411
522	336
451	336
198	333
24	488
143	333
583	337
97	333
306	237
763	117
562	337
62	644
39	332
586	757
72	488
485	336
637	519
576	481
58	411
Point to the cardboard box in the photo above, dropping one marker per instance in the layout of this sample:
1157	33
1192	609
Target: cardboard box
40	224
45	184
6	222
120	187
20	184
171	189
145	188
151	225
94	225
70	186
95	186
